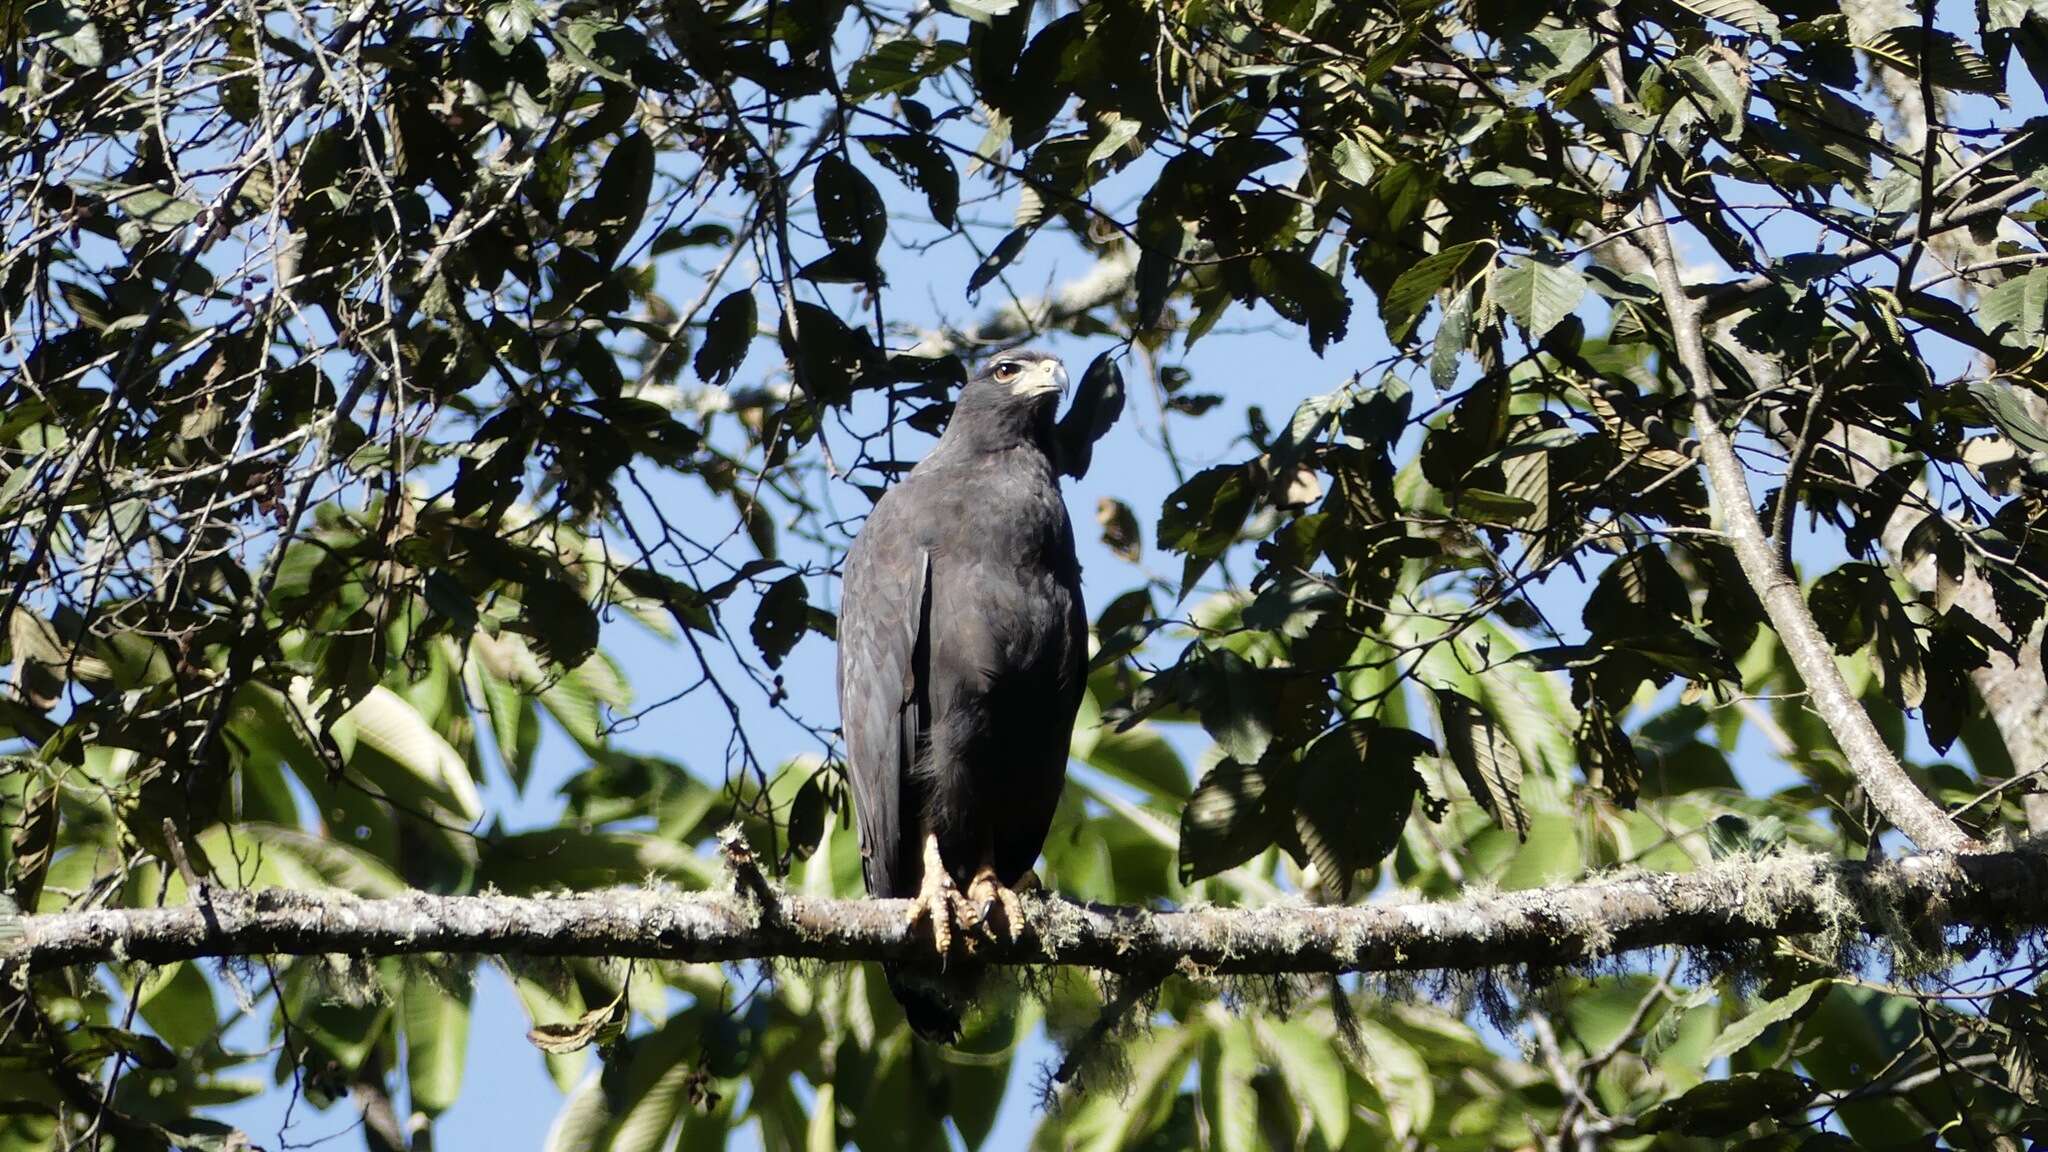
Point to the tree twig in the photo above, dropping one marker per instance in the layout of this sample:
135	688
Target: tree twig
1892	792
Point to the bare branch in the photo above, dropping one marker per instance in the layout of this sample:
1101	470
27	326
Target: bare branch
1869	757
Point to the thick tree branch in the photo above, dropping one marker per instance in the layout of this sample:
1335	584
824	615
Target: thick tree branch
1885	781
1725	905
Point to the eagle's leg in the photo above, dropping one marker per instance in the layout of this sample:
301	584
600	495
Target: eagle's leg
985	890
939	901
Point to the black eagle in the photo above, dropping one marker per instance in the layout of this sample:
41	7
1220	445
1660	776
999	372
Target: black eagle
963	655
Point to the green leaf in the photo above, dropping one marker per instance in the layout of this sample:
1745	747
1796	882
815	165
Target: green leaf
1401	1075
1111	1121
70	30
2016	311
515	723
1447	348
1295	287
1475	429
807	814
1305	1053
177	1003
1006	250
853	219
612	212
295	858
143	1050
1752	1024
1354	790
1952	63
1550	854
1727	1106
158	211
1749	15
436	1041
1228	1101
1403	304
899	66
583	1122
1202	518
1140	757
1485	757
587	860
1537	292
403	755
601	45
979	11
1712	80
559	623
511	21
1225	822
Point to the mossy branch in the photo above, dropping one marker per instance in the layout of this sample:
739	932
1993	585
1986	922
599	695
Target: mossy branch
1730	904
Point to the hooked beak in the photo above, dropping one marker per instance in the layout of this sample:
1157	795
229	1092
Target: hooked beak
1044	377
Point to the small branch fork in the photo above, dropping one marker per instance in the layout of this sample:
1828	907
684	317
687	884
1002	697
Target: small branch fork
1891	791
1724	905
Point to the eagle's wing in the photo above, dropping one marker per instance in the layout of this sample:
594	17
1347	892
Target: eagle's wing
884	610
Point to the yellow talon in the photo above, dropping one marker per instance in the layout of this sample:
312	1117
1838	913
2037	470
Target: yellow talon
939	902
987	891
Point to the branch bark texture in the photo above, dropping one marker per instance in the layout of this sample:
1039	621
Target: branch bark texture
1725	905
1884	780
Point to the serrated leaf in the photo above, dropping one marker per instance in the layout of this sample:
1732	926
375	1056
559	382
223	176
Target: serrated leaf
1485	757
1225	822
1749	15
1538	293
2016	311
1951	62
1354	790
1713	80
1404	303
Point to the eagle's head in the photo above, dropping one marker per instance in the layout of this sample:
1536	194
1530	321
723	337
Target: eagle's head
1021	377
1010	400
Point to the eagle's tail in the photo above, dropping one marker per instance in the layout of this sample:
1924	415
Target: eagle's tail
933	1003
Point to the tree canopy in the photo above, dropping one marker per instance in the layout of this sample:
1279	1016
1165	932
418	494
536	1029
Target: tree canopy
400	403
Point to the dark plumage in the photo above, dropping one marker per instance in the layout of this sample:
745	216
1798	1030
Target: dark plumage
962	659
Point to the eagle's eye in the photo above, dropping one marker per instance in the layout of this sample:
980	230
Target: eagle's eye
1006	371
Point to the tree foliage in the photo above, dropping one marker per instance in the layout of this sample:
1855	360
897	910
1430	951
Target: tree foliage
374	377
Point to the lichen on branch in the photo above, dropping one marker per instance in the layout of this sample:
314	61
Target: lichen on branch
1729	904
